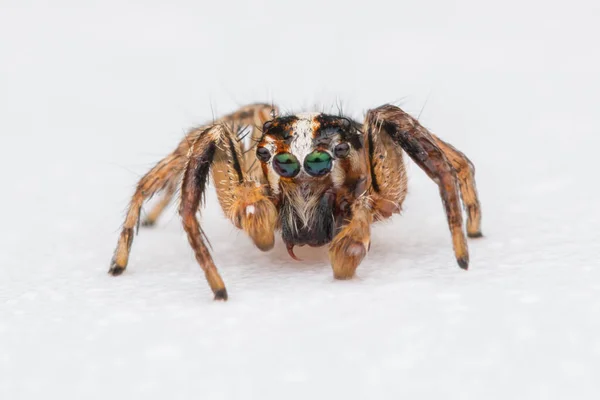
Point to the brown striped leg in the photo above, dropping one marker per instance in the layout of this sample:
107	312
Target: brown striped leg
166	171
239	182
420	145
166	174
253	211
161	205
252	116
193	186
468	191
352	243
245	202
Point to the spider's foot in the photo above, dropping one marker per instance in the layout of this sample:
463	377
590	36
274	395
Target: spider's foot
221	294
115	270
216	283
345	255
148	223
463	262
474	235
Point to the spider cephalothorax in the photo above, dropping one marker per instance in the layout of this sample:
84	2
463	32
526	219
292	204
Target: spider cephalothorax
320	179
307	159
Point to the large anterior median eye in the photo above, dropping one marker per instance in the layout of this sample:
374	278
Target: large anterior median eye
286	165
317	163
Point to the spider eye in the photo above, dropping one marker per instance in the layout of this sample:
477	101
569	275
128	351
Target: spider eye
341	150
263	154
317	163
286	165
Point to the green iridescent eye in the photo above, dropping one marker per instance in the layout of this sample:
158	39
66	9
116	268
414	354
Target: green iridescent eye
317	163
286	165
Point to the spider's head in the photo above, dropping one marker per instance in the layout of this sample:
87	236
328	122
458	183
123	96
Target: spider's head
306	158
305	147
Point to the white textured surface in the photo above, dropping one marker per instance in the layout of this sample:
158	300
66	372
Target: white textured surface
91	97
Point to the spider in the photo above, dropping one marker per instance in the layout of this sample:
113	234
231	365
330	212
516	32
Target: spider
318	179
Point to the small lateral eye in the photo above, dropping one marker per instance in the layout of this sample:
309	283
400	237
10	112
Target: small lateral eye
286	165
263	154
341	150
317	163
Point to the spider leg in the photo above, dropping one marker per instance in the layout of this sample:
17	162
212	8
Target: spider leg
167	170
427	153
351	244
242	191
245	202
193	185
251	116
468	191
251	209
160	206
355	206
167	173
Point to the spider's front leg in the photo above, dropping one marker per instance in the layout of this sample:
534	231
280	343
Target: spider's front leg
253	211
355	204
446	166
242	200
352	243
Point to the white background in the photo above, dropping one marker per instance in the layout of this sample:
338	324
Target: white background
93	94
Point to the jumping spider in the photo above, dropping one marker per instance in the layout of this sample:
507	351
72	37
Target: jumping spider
319	179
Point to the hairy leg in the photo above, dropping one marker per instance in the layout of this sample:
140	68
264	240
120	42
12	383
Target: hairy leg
253	211
249	208
165	176
352	243
241	190
252	117
192	189
167	170
389	180
159	207
422	147
468	191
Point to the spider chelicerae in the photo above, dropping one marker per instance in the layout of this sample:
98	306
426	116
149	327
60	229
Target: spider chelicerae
319	179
